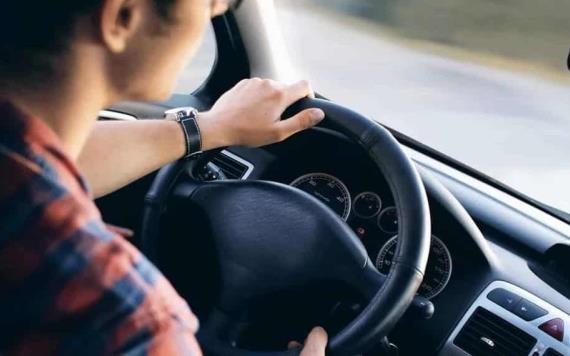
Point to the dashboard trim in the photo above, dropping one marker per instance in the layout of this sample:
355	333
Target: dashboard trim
115	115
544	341
544	219
250	166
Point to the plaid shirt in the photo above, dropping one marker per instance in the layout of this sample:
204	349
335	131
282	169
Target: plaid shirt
68	284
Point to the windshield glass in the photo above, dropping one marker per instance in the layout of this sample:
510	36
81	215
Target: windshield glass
483	81
198	70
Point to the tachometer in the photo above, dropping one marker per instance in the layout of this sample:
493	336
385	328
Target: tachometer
328	189
438	269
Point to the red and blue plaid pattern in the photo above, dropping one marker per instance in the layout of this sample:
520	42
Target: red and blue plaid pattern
69	285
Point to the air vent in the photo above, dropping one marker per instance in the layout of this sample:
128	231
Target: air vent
485	334
226	165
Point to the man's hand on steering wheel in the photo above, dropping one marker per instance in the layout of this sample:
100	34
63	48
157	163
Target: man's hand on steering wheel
250	114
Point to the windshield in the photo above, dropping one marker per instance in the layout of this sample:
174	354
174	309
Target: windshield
483	81
198	70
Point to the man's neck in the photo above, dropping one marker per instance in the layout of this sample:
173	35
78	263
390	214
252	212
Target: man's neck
69	107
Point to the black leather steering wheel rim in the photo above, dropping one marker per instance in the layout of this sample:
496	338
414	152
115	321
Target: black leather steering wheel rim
389	301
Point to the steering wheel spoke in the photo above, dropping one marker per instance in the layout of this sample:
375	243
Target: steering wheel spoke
184	190
222	327
369	282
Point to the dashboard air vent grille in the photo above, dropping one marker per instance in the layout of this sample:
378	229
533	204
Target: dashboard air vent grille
486	334
231	168
225	165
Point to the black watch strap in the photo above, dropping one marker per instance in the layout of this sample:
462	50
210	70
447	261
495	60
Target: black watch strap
187	117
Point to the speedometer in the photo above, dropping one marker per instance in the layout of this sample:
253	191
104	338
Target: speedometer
328	189
438	270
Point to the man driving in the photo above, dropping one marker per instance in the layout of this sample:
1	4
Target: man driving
68	283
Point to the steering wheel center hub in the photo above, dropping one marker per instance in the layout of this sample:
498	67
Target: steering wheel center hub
295	237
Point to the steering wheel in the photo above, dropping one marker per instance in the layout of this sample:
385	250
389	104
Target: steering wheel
253	222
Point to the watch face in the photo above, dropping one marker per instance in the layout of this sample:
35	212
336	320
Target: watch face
180	113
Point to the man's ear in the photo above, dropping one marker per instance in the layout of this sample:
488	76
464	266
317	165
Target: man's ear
118	22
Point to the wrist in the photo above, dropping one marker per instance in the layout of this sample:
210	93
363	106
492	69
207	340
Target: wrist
179	141
187	118
214	135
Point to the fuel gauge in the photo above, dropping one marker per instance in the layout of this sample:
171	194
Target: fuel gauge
388	220
367	205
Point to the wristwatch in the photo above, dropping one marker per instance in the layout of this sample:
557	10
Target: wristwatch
187	118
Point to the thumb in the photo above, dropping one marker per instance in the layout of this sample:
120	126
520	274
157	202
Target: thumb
316	343
303	120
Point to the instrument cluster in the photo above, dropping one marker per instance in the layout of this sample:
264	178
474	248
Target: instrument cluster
334	193
374	218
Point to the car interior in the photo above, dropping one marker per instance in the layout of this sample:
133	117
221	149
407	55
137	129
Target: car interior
392	247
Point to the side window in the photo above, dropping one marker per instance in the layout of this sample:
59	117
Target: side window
198	69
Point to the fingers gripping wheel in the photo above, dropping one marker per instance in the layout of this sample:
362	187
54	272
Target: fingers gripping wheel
254	266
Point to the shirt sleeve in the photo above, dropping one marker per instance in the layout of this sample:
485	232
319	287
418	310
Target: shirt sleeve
140	312
161	335
160	324
79	288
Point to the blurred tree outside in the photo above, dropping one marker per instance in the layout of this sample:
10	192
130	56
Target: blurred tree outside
530	30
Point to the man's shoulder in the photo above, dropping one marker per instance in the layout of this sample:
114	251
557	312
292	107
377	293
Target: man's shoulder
54	242
31	193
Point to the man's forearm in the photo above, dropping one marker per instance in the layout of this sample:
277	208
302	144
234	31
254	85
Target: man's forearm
249	114
118	153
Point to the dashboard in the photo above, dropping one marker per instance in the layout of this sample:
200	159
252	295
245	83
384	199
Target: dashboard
334	170
459	278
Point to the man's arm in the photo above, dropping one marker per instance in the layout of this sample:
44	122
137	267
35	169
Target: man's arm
118	153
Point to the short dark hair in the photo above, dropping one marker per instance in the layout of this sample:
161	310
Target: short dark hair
33	32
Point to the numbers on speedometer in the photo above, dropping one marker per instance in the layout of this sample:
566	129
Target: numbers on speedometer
438	270
328	189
